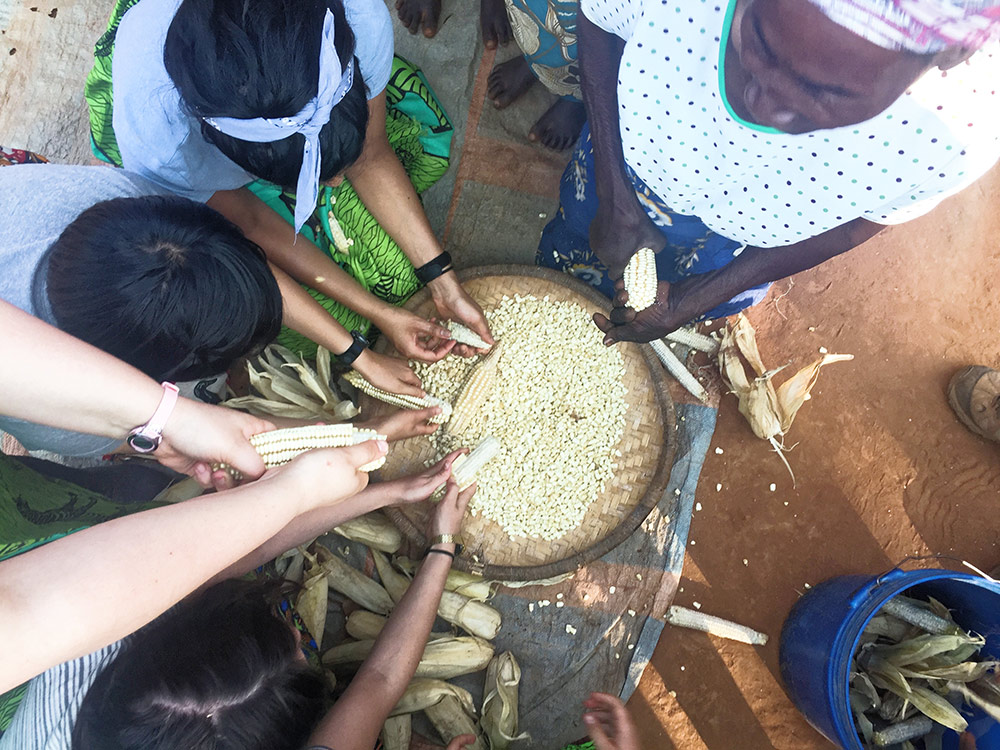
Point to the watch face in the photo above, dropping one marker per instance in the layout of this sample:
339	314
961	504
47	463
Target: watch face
142	443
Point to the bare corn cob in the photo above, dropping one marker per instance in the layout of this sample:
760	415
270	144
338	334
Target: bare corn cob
423	692
398	399
475	392
465	335
396	732
693	340
688	618
474	617
450	718
500	714
640	279
278	447
442	659
677	368
373	530
341	241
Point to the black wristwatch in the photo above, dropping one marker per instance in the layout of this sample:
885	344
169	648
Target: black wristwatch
433	268
358	345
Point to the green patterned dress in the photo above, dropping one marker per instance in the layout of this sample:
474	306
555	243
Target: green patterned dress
419	132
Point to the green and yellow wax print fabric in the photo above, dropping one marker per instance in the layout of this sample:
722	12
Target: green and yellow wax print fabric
35	510
419	132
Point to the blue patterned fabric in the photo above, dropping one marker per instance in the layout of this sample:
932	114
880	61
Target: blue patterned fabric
692	248
545	30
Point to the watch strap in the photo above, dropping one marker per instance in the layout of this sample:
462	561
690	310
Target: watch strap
358	344
146	438
433	268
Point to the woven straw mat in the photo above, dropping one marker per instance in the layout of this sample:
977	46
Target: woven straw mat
647	447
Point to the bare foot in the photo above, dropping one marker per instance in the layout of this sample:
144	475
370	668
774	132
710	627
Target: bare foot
494	23
508	81
560	126
417	14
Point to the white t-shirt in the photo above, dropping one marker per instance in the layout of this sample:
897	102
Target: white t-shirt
766	188
160	141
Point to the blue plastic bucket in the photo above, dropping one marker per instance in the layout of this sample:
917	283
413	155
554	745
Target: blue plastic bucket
823	629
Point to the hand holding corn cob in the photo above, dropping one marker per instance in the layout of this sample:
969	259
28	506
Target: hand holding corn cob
415	338
454	303
391	374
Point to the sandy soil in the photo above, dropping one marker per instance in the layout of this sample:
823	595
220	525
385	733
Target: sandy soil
884	470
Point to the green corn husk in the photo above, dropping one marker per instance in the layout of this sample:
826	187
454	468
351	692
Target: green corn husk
353	584
311	605
500	711
373	530
442	659
364	625
467	584
451	718
422	692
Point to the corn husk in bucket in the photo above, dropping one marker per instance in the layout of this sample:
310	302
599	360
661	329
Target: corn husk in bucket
770	411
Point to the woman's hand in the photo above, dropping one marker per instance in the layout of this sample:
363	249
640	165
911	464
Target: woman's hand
389	373
198	435
414	337
450	512
609	724
454	303
404	423
323	477
620	228
419	487
675	306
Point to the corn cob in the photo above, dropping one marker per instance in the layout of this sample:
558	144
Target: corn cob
464	335
442	659
365	626
353	584
466	584
910	729
640	279
693	340
398	399
687	618
396	733
912	612
341	241
475	391
422	692
677	368
499	719
278	447
465	467
450	718
474	617
373	530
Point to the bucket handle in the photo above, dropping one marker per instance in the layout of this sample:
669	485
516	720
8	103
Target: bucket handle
862	593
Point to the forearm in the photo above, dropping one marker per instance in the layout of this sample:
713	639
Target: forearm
86	590
302	313
295	255
105	396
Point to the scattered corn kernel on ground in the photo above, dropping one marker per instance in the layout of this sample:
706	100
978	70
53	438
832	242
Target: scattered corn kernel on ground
556	406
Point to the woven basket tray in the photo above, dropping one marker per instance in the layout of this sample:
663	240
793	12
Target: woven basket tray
647	447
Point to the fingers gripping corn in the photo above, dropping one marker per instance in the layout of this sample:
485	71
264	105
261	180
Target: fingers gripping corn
464	335
464	467
398	399
278	447
640	279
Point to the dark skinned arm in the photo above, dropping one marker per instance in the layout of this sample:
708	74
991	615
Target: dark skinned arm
621	226
680	303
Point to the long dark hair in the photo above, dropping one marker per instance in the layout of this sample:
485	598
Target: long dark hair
165	284
247	59
218	672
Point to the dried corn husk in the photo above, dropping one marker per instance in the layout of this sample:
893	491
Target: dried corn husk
769	411
373	530
467	584
364	625
311	603
423	692
290	388
442	659
396	732
353	584
500	712
474	617
450	718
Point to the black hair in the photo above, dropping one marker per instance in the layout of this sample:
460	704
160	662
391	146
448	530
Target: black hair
247	59
165	284
221	671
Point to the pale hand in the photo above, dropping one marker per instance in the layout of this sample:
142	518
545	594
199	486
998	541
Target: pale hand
414	337
391	374
609	724
197	435
419	487
454	303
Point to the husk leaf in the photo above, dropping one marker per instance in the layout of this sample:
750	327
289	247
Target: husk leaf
500	710
396	732
795	391
311	603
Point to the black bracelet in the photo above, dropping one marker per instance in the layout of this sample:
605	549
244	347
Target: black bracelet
440	552
433	268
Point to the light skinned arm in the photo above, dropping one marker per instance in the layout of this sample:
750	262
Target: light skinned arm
91	588
107	397
381	182
303	261
355	720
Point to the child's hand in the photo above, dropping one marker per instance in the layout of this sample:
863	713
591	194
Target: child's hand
609	724
389	373
419	487
416	338
404	423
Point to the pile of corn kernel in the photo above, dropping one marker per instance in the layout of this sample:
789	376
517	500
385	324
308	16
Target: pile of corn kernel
557	408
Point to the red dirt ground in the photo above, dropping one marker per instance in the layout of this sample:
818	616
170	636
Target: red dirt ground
884	470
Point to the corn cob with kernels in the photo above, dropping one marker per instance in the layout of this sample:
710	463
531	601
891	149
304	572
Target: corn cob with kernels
464	335
398	399
640	279
475	392
278	447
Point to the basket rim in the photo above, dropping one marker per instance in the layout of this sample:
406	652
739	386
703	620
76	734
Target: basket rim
655	492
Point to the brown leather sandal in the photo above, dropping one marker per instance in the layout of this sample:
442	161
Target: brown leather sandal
974	394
